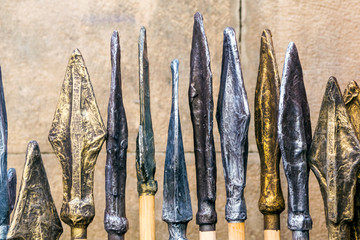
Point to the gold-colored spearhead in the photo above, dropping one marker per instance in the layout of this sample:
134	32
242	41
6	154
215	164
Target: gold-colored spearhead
76	135
35	215
271	202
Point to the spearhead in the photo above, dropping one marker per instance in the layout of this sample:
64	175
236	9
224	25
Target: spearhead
271	202
201	110
76	135
145	148
334	158
352	103
115	220
35	215
177	211
294	130
233	117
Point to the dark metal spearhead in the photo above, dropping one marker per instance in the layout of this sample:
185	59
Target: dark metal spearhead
115	220
177	211
145	148
201	110
233	117
334	158
35	215
76	135
294	130
271	202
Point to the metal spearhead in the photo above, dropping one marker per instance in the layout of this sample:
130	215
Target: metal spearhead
352	102
334	158
145	148
35	215
177	211
271	202
233	117
294	130
115	220
201	110
76	135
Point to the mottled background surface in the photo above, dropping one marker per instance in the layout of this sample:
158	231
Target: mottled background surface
37	37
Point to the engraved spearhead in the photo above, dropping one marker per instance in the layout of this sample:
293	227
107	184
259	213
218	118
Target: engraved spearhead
201	110
177	211
76	135
35	215
294	130
145	148
115	220
271	202
233	117
334	158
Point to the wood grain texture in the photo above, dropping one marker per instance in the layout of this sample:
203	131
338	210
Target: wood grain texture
209	235
272	235
236	231
147	217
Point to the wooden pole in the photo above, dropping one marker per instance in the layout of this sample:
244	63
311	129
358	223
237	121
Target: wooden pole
207	235
236	231
147	217
271	234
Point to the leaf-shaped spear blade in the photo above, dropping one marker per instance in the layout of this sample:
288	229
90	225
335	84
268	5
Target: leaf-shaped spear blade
145	148
177	211
271	202
233	117
334	158
76	135
294	129
352	102
115	220
201	110
35	215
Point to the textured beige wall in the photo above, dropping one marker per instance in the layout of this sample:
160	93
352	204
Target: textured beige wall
37	37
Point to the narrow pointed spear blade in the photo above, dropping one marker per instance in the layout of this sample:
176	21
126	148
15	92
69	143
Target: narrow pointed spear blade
294	130
76	135
201	111
116	146
11	174
271	202
334	158
352	102
176	201
35	215
233	117
145	148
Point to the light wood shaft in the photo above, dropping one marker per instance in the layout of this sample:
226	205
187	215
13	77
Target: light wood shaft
208	235
236	231
147	217
271	234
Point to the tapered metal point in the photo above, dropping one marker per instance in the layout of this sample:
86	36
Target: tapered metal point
115	221
177	211
233	117
334	158
271	202
201	110
35	215
76	135
294	130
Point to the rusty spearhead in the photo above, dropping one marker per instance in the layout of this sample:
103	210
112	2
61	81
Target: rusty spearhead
334	158
145	148
233	117
201	111
76	135
271	202
294	130
115	220
177	211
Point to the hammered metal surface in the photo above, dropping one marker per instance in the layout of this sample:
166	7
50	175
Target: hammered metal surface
201	111
145	148
115	221
177	211
233	117
334	158
271	202
76	135
294	130
35	215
